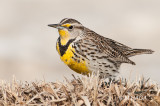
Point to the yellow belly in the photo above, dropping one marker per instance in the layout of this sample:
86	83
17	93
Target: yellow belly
79	67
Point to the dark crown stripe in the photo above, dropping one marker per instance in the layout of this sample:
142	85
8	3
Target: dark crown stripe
69	20
63	48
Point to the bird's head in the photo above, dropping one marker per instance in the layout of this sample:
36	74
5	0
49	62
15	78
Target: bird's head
68	29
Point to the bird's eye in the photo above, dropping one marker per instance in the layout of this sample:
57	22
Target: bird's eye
70	27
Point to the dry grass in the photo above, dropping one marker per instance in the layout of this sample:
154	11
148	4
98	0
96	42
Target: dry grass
85	91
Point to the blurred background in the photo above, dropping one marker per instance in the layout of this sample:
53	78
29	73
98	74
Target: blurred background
27	44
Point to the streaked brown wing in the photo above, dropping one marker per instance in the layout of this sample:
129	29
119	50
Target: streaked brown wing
113	50
118	46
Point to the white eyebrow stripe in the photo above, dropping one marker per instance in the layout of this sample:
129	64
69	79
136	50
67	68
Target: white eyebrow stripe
64	20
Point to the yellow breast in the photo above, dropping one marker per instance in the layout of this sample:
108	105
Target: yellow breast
68	58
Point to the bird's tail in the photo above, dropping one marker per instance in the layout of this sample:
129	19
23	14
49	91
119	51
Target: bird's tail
134	52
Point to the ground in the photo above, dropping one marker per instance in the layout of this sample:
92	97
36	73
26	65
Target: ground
84	91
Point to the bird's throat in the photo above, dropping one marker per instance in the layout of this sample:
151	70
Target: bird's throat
62	48
64	35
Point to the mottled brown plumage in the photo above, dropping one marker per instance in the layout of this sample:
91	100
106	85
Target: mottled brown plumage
114	50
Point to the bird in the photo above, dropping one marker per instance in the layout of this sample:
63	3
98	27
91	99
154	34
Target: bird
86	52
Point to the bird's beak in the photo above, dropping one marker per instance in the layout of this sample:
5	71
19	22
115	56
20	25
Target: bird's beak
58	26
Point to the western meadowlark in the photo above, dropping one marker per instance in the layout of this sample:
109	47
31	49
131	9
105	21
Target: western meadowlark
85	51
